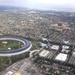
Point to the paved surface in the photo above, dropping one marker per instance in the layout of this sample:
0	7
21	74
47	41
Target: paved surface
25	67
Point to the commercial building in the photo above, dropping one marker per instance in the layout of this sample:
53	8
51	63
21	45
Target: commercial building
44	53
12	73
55	47
42	44
16	73
61	57
66	42
47	54
65	47
44	39
65	51
9	73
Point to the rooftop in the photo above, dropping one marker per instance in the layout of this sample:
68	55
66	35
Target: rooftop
65	47
42	44
16	73
55	47
9	73
44	53
61	57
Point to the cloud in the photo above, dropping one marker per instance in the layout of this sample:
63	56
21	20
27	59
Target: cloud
39	4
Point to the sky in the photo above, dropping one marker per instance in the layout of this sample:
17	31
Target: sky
41	4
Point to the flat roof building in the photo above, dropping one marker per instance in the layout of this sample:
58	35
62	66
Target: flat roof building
61	57
47	54
16	73
44	53
44	39
55	47
65	47
65	51
66	42
42	44
9	73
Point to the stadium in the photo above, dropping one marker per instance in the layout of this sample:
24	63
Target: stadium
26	46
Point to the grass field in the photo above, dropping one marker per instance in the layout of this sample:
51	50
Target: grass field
10	44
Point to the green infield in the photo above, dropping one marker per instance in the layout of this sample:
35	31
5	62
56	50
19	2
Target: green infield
10	45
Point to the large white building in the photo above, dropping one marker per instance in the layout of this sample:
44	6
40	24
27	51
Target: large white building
12	73
44	53
65	47
61	57
9	73
47	54
55	47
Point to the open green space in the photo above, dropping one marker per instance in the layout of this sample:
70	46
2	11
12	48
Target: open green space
10	44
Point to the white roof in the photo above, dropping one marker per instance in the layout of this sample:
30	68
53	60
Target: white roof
73	53
44	53
9	73
65	47
66	42
56	47
44	39
64	50
43	44
61	57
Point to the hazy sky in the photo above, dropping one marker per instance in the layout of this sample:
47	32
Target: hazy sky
40	4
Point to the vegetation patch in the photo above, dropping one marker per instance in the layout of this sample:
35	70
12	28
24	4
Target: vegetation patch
10	45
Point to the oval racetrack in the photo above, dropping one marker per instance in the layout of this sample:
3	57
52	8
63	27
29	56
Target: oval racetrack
26	47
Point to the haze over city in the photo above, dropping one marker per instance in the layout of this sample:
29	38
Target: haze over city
37	37
41	4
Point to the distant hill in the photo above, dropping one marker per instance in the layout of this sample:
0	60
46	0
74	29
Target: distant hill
9	7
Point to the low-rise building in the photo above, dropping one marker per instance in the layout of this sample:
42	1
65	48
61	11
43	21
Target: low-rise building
66	42
65	51
42	44
61	57
16	73
44	53
47	54
9	73
55	47
44	39
65	47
